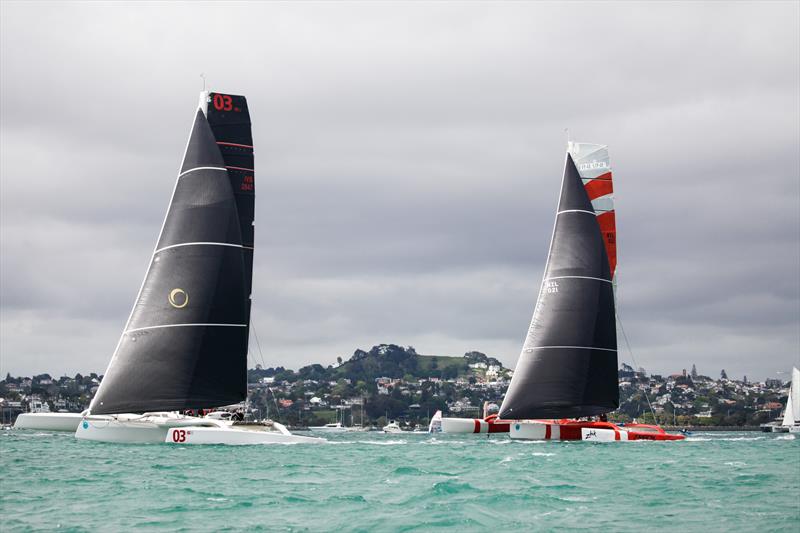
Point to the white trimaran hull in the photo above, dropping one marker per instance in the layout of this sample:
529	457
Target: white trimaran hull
171	428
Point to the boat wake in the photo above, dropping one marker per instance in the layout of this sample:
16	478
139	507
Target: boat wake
383	443
717	439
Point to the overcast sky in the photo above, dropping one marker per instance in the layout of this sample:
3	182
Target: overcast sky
408	163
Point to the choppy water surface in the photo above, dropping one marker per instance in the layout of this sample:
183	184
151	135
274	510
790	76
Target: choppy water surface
376	482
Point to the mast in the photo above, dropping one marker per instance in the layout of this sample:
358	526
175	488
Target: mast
568	363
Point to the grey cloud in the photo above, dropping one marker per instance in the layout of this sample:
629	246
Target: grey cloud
408	160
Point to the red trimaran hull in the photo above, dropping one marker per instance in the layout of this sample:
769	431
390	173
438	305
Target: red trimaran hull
566	429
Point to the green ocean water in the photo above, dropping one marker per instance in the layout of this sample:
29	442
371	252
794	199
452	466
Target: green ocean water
376	482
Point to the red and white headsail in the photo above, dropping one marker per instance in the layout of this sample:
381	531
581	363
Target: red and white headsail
595	170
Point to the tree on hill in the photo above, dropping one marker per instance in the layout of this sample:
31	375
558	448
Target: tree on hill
383	360
475	357
314	372
480	357
358	354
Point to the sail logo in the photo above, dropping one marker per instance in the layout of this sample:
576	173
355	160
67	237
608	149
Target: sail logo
178	298
593	165
551	287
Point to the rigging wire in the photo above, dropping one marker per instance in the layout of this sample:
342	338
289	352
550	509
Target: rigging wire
630	351
263	365
258	344
627	342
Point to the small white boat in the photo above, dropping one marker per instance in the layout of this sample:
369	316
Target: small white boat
791	415
774	427
392	427
331	428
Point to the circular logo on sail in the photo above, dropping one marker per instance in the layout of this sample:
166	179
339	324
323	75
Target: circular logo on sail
178	298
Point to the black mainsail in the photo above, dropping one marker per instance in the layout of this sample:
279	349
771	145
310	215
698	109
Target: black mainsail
568	364
185	343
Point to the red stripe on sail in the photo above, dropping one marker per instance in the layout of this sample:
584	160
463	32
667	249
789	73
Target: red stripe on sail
608	227
599	187
235	144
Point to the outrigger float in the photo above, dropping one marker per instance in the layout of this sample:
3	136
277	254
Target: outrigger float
490	424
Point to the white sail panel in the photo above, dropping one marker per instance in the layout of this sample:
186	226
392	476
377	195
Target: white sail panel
792	412
788	414
594	166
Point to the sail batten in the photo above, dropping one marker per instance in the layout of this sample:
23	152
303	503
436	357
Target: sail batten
185	343
187	172
579	277
157	326
177	245
570	348
568	363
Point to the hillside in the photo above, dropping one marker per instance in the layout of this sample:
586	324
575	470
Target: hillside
382	361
